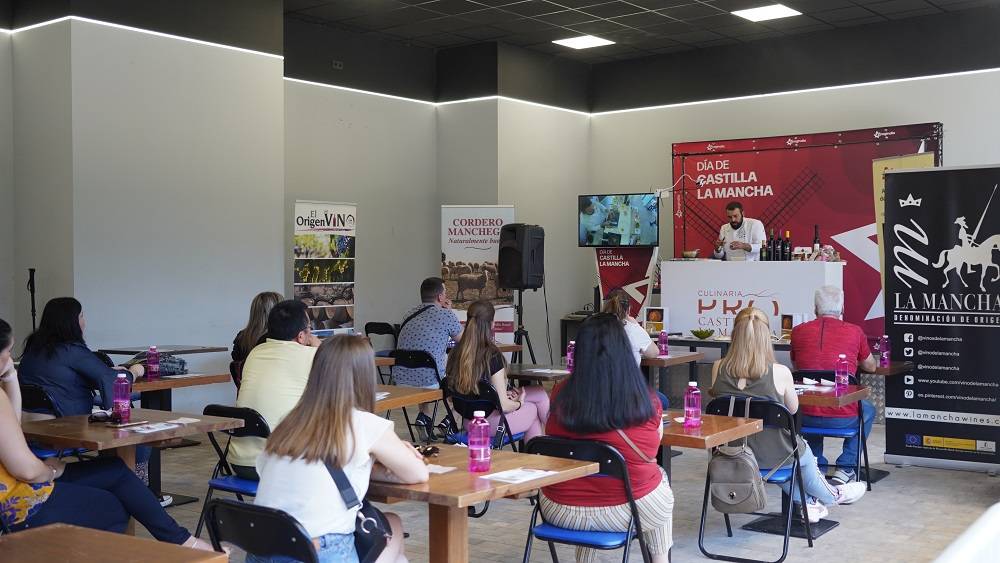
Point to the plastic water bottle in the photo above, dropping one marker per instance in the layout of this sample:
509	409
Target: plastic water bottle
884	351
122	404
842	373
692	406
570	348
479	443
663	343
152	362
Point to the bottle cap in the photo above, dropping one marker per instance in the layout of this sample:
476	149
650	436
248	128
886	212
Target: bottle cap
692	383
885	336
153	347
479	414
842	356
121	375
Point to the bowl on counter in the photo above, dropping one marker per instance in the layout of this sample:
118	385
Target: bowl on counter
702	333
690	253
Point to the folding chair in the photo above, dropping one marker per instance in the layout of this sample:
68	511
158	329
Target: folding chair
35	399
612	465
236	372
382	329
488	401
258	530
223	477
416	359
776	418
859	430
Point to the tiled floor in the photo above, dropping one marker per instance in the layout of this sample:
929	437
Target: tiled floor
908	517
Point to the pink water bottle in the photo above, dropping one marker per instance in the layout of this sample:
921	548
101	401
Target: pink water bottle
570	348
122	404
663	344
152	362
479	443
692	406
884	351
842	373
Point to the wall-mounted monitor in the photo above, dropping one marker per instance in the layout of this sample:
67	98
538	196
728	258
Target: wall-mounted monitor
619	220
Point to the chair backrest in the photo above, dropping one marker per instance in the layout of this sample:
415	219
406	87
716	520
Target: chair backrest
253	423
774	414
258	530
820	374
485	399
34	398
236	371
610	459
380	329
415	359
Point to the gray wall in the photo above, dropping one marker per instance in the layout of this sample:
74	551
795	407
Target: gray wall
6	180
467	157
379	153
43	177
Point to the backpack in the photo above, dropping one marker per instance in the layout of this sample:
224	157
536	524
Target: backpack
735	483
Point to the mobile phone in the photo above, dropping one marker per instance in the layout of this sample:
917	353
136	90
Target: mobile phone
127	424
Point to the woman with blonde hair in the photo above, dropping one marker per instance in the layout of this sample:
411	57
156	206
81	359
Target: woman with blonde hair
750	370
256	326
476	359
333	426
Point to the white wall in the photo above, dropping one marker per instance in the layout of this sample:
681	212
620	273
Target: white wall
379	153
543	156
7	274
631	151
467	167
43	175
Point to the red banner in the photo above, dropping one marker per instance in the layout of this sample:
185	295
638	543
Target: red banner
792	183
627	268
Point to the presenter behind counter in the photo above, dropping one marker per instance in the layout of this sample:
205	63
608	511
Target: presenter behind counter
740	238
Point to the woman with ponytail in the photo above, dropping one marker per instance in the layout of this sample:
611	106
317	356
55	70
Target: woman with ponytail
476	358
640	344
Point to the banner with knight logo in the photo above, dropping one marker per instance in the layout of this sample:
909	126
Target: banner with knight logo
942	303
470	244
323	249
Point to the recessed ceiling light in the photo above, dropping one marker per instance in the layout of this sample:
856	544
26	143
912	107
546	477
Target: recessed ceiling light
583	42
764	13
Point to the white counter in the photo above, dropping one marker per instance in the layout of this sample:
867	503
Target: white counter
709	293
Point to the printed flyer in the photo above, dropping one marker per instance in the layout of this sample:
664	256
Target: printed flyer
323	247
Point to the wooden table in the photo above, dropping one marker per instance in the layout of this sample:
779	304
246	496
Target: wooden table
175	349
402	396
714	431
674	358
384	361
62	542
528	373
831	397
712	342
895	368
448	495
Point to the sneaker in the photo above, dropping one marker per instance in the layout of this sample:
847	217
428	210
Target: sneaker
166	500
424	426
850	492
841	477
816	511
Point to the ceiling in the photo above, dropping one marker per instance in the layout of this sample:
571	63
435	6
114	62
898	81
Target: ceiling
640	28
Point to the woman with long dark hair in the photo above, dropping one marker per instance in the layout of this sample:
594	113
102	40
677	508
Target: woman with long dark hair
333	424
256	326
476	359
608	400
101	494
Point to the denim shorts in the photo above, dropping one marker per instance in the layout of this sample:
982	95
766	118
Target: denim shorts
333	548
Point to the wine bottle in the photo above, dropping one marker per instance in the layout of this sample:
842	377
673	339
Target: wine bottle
815	239
764	251
786	246
773	247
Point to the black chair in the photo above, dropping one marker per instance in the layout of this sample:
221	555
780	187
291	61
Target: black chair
612	465
375	328
258	530
223	477
236	372
486	400
35	399
859	430
416	359
776	418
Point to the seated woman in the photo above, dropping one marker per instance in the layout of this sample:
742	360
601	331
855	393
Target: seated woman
476	359
749	370
608	400
101	494
333	424
642	346
251	334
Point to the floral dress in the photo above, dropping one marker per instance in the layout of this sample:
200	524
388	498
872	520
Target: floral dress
18	500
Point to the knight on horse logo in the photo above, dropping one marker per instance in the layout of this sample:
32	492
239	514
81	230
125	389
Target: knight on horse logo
969	253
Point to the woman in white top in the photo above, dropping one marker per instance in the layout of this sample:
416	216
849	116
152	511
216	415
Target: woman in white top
333	424
642	346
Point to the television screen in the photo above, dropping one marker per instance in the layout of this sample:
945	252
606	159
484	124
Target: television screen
619	220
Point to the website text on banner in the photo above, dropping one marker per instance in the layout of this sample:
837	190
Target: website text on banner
323	247
792	183
942	302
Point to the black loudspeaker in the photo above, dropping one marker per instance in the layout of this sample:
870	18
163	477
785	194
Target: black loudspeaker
521	264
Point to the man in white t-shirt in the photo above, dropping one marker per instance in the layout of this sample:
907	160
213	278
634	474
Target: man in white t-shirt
741	237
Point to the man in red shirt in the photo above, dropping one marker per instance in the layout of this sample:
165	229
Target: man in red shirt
816	346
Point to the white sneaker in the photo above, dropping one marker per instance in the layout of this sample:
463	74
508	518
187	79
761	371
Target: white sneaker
850	492
816	511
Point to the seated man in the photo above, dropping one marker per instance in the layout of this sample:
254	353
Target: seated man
816	346
274	376
430	327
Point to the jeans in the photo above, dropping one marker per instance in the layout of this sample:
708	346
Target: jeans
813	481
333	548
101	495
849	457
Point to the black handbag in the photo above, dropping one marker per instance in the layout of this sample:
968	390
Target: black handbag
371	530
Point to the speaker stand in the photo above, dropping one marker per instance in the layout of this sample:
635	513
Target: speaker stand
521	336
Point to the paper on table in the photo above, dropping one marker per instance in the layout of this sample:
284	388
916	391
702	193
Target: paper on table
154	427
434	468
548	370
184	420
519	475
805	387
825	382
381	395
181	375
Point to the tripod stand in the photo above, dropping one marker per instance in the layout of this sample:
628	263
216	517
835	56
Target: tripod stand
521	334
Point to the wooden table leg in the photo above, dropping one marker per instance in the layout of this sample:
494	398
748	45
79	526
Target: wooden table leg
127	455
448	533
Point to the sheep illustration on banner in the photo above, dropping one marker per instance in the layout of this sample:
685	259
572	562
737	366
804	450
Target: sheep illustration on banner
627	268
